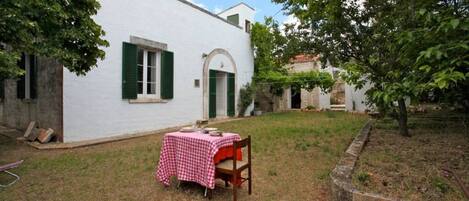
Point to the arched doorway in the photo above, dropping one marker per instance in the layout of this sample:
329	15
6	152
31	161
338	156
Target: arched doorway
219	85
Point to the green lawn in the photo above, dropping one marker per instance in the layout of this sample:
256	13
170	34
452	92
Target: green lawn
293	153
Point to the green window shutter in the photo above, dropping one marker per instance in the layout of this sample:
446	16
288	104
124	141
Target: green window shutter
129	71
2	89
234	19
231	95
33	77
167	75
20	84
212	102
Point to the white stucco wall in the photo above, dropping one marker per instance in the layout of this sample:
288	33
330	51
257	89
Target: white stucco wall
93	105
245	13
356	95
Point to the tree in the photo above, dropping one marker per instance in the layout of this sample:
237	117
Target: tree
368	40
59	29
439	45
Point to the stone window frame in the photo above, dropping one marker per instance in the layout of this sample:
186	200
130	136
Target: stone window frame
158	47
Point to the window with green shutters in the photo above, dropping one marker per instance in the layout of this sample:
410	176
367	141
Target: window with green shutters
147	73
26	84
231	95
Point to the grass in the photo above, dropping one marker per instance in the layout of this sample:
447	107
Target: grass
411	168
293	154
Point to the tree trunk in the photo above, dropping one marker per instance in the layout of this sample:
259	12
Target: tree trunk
403	130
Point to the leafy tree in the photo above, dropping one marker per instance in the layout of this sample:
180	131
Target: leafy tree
439	45
373	41
59	29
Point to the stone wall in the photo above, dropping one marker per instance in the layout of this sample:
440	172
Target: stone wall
341	176
46	109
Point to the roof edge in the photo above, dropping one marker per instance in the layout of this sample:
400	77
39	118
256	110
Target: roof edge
239	4
209	13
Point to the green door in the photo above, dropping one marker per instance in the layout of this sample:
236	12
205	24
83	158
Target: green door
212	94
231	95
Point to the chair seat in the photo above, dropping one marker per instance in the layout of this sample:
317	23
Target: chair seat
227	165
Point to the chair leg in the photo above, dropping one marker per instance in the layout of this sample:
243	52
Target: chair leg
235	186
250	180
210	194
11	183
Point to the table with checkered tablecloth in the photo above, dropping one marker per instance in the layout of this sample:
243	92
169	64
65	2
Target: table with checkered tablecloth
190	157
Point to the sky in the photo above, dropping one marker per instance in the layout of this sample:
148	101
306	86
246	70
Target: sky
263	8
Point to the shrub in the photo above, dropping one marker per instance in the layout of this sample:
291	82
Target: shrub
441	185
246	95
310	107
363	177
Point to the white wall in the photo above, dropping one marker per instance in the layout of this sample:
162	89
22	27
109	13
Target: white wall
245	13
356	95
93	105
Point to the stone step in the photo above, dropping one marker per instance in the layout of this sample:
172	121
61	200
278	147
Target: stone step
338	109
337	106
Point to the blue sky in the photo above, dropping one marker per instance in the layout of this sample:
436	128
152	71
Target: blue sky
263	7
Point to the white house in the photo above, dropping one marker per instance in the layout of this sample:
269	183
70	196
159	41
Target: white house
169	63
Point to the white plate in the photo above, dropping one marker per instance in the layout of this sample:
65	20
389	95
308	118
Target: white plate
188	130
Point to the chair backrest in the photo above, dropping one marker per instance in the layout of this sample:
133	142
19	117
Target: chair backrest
241	144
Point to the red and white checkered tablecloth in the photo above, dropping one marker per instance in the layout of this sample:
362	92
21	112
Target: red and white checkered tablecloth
189	156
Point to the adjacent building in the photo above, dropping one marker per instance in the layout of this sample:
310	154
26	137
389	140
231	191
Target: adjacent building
343	97
169	63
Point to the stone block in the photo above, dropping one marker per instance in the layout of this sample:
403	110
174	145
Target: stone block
45	135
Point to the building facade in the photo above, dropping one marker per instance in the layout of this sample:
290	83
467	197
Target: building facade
169	63
343	97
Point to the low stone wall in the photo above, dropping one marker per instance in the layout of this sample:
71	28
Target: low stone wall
341	176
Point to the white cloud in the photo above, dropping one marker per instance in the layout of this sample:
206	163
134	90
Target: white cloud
197	4
291	19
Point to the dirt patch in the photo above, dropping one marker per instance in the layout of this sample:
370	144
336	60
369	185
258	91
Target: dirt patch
411	168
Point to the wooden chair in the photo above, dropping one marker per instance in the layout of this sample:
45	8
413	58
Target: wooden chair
233	168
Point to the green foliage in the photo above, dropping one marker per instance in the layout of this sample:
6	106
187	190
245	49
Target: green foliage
441	185
246	95
404	48
310	107
363	177
63	30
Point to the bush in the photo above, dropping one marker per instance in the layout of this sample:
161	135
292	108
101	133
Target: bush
246	95
310	107
363	177
440	185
